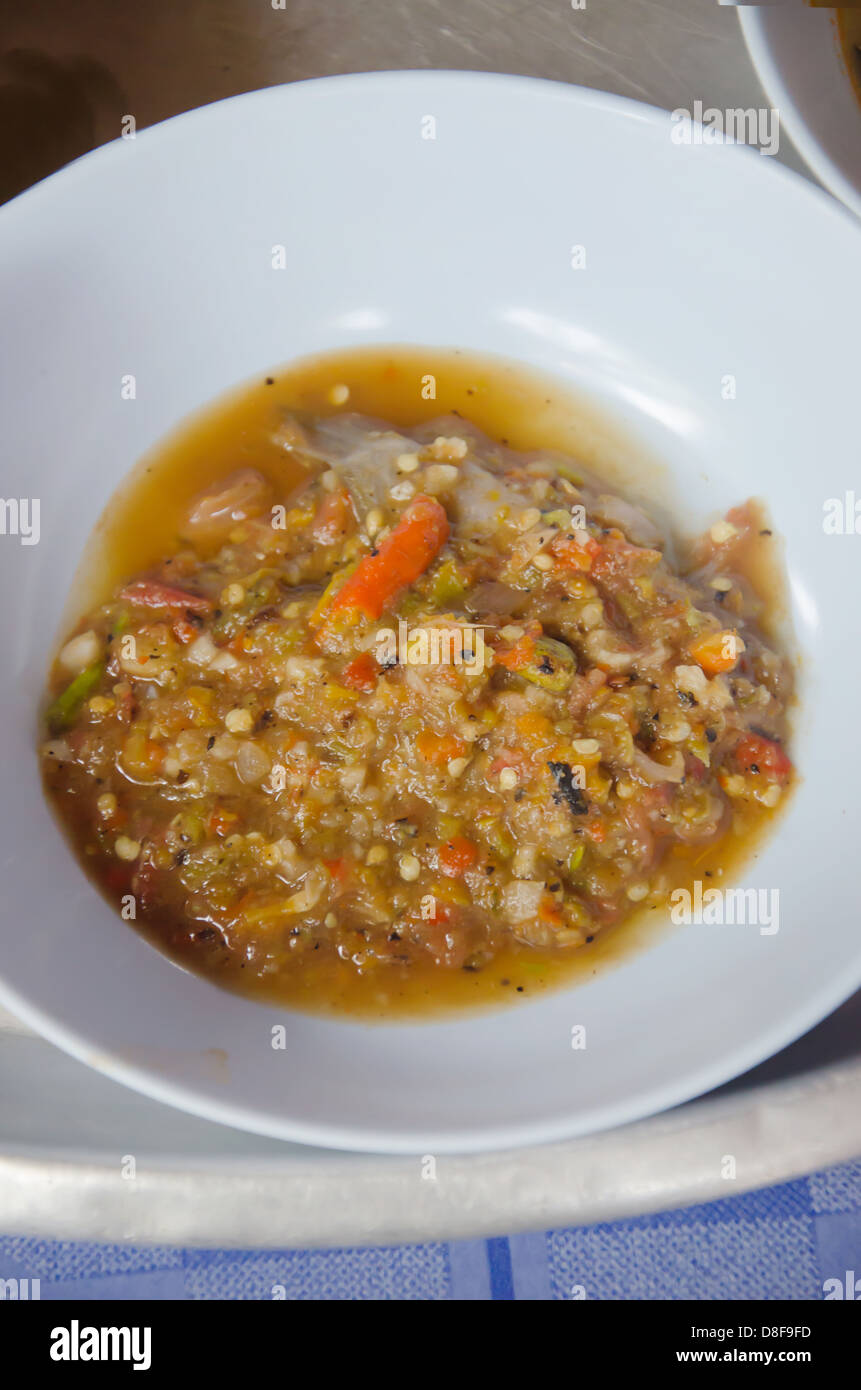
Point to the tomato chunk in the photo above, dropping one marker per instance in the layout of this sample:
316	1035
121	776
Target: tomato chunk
755	753
334	517
361	674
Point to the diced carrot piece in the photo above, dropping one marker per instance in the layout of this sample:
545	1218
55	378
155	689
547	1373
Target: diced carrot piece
574	553
438	749
339	872
147	593
361	674
549	912
154	755
755	753
717	651
221	821
399	560
456	856
521	653
536	728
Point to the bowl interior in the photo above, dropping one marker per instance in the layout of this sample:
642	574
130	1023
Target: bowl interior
715	318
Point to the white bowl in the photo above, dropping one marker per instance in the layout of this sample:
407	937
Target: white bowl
153	258
797	53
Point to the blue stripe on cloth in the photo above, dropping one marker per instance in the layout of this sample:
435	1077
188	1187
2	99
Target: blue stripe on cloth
469	1275
499	1264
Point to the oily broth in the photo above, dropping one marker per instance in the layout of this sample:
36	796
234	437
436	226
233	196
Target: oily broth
526	410
514	406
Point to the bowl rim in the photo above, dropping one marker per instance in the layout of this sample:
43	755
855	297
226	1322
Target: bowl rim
594	97
754	23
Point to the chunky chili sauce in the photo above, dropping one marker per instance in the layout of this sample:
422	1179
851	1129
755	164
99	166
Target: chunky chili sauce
385	702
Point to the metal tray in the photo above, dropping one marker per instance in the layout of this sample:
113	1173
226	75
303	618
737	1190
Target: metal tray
67	1134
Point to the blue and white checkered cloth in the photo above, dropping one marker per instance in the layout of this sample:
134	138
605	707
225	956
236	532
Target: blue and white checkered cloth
782	1242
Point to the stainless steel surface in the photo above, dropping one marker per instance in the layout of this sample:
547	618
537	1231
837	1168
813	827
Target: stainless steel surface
68	75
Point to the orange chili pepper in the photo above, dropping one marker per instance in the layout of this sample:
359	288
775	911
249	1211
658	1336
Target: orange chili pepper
398	561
